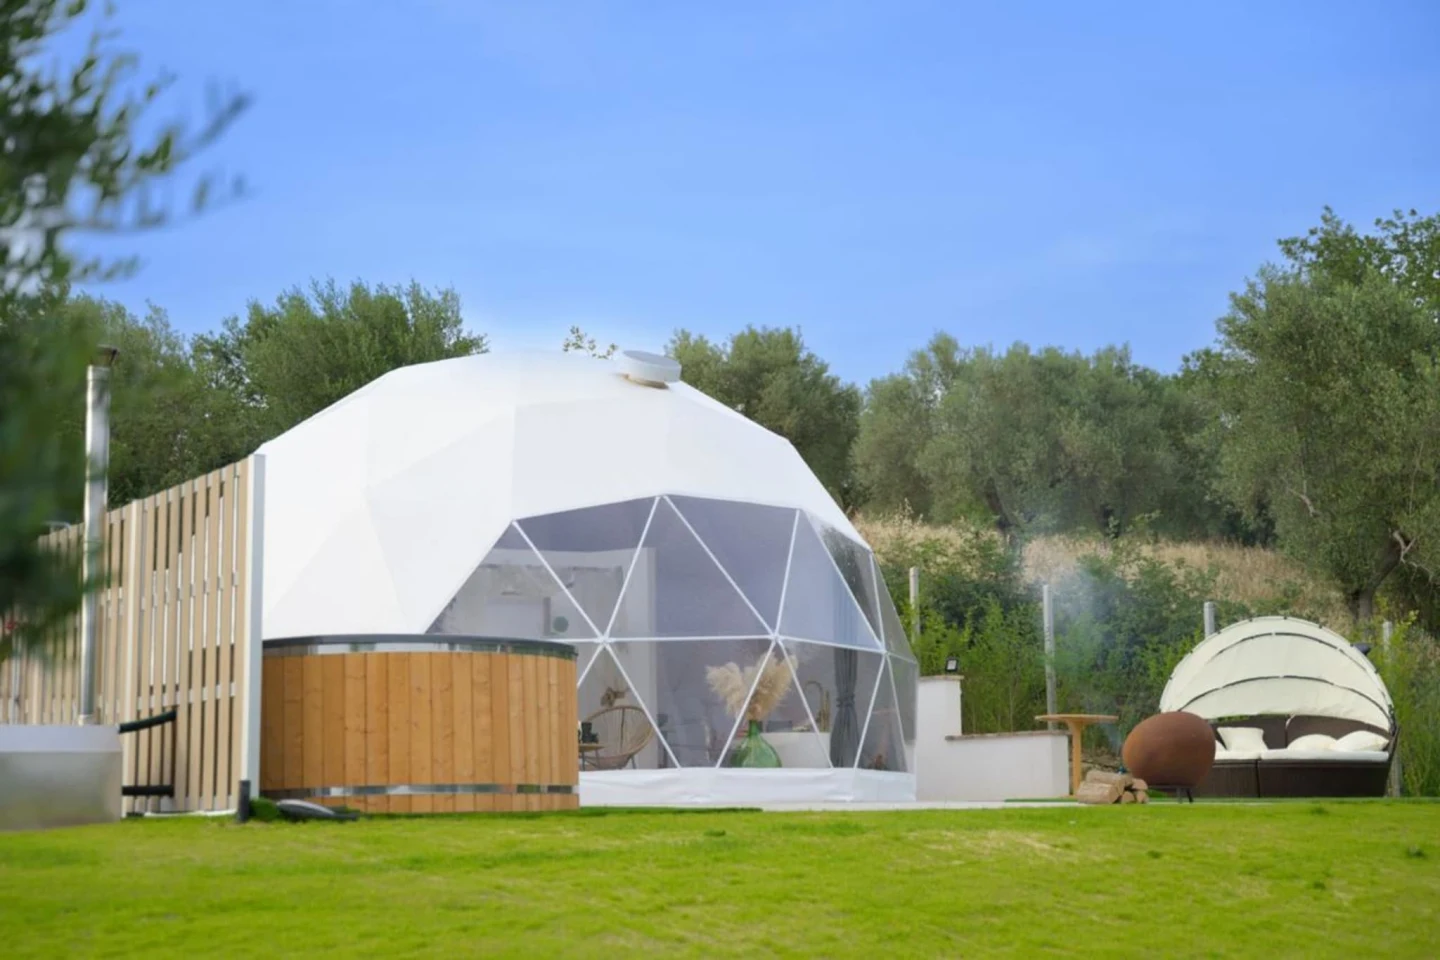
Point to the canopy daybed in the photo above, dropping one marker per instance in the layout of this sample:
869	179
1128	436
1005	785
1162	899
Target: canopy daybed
1298	711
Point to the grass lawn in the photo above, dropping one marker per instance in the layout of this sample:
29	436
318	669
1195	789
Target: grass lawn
1285	880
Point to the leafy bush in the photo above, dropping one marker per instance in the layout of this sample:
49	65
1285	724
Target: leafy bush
264	810
1411	670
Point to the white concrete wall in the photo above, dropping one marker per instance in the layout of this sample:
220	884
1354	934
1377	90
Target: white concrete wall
1001	766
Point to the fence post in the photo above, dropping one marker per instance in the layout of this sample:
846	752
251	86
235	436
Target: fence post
254	611
1210	625
1047	612
1397	781
914	605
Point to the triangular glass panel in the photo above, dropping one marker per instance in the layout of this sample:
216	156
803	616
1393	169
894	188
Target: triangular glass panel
818	604
907	691
787	723
674	680
584	654
676	589
838	684
511	595
616	732
884	745
752	543
590	550
854	563
892	630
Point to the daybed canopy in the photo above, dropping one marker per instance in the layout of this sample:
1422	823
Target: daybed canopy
1278	666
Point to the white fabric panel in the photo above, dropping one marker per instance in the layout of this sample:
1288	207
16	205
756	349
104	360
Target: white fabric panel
1312	742
429	553
1236	755
437	457
303	505
346	589
705	786
561	451
1259	656
1288	696
1326	756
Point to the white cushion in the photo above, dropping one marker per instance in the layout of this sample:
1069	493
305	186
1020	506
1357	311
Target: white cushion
1324	756
1242	739
1236	755
1312	741
1362	740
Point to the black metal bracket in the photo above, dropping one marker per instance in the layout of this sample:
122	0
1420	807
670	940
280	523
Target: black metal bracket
146	723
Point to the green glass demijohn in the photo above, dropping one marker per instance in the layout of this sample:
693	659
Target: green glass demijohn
755	750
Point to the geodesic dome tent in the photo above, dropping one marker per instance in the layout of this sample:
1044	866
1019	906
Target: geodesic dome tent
665	536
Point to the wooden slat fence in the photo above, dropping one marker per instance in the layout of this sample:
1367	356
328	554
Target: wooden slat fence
178	628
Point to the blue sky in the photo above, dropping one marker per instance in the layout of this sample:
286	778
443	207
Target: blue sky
1058	173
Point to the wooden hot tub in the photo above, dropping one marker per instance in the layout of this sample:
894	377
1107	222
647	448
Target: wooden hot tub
420	724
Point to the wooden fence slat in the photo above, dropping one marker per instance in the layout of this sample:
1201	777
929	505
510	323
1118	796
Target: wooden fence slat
165	672
114	595
184	647
312	720
398	720
293	672
332	681
534	725
224	590
210	643
377	727
515	673
172	630
272	717
238	587
195	566
442	724
421	761
461	680
135	613
354	769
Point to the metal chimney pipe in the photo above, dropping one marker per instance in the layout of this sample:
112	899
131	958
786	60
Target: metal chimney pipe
97	449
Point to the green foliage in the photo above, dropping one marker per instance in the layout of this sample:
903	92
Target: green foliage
771	377
265	810
1411	670
1035	441
897	425
973	606
38	588
72	158
1404	249
70	161
578	342
1329	402
287	362
1122	623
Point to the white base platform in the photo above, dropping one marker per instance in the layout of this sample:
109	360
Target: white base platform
58	776
729	787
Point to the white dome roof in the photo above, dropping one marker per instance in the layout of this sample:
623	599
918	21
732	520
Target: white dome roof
1279	666
379	507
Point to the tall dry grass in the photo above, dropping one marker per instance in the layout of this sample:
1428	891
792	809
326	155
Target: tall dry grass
1252	576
